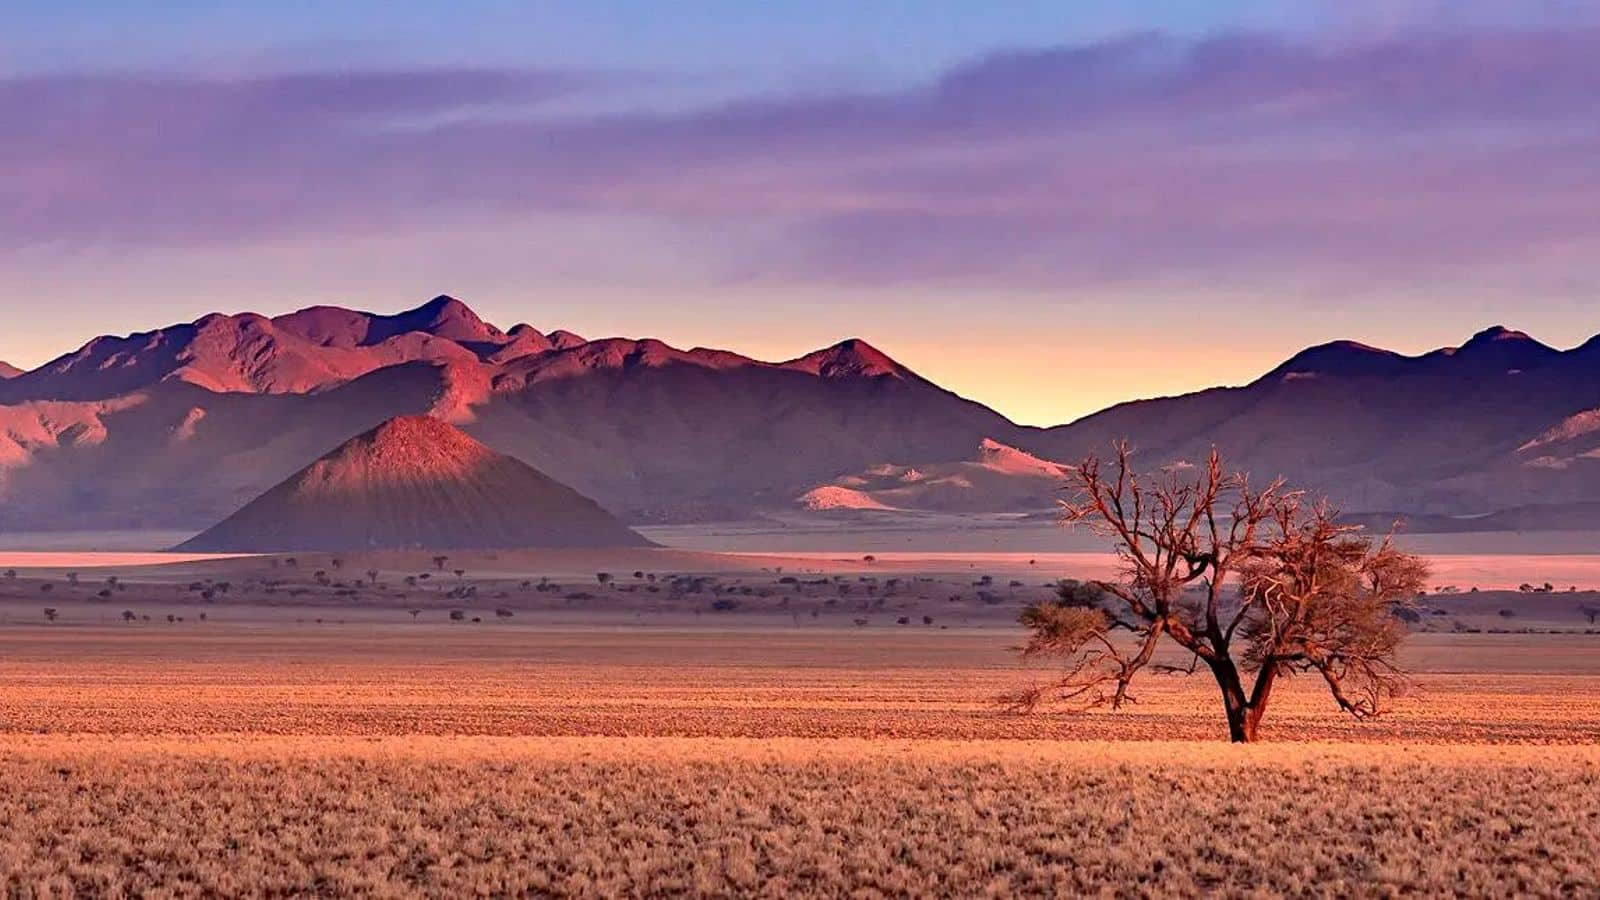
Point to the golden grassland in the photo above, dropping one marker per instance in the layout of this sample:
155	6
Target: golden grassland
651	817
438	760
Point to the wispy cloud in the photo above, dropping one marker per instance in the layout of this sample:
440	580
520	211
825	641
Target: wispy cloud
1139	156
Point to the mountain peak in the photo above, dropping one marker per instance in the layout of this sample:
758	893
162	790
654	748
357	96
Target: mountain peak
562	339
412	428
1495	334
1500	347
444	306
415	481
445	316
1338	358
412	445
850	358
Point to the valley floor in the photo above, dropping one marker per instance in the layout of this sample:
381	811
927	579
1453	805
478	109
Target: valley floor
397	759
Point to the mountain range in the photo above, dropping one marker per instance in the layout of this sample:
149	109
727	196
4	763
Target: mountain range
181	426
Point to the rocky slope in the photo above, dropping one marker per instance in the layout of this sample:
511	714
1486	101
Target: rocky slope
415	482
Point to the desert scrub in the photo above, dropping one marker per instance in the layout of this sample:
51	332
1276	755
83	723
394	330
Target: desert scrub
586	816
449	680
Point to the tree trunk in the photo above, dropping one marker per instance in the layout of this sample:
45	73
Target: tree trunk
1258	701
1241	725
1241	721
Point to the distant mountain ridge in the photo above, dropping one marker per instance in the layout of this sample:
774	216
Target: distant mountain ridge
180	426
321	347
1495	433
1496	350
1500	422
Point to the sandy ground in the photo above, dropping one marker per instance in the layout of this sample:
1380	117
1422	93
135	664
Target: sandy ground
372	754
922	532
754	681
1489	571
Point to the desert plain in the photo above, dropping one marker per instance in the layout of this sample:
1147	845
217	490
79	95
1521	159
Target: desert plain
681	722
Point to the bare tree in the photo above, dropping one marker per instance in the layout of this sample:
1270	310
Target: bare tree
1254	585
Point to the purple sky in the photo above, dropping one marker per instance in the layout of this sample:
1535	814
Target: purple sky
1047	226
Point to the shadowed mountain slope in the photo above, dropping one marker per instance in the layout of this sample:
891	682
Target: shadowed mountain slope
1498	422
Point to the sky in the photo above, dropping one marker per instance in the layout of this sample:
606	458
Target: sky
1047	207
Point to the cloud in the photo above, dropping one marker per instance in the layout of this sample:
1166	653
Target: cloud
1143	156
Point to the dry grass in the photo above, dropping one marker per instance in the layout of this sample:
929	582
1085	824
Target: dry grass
739	683
452	761
777	818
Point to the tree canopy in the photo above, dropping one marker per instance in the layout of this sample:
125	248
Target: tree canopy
1254	585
